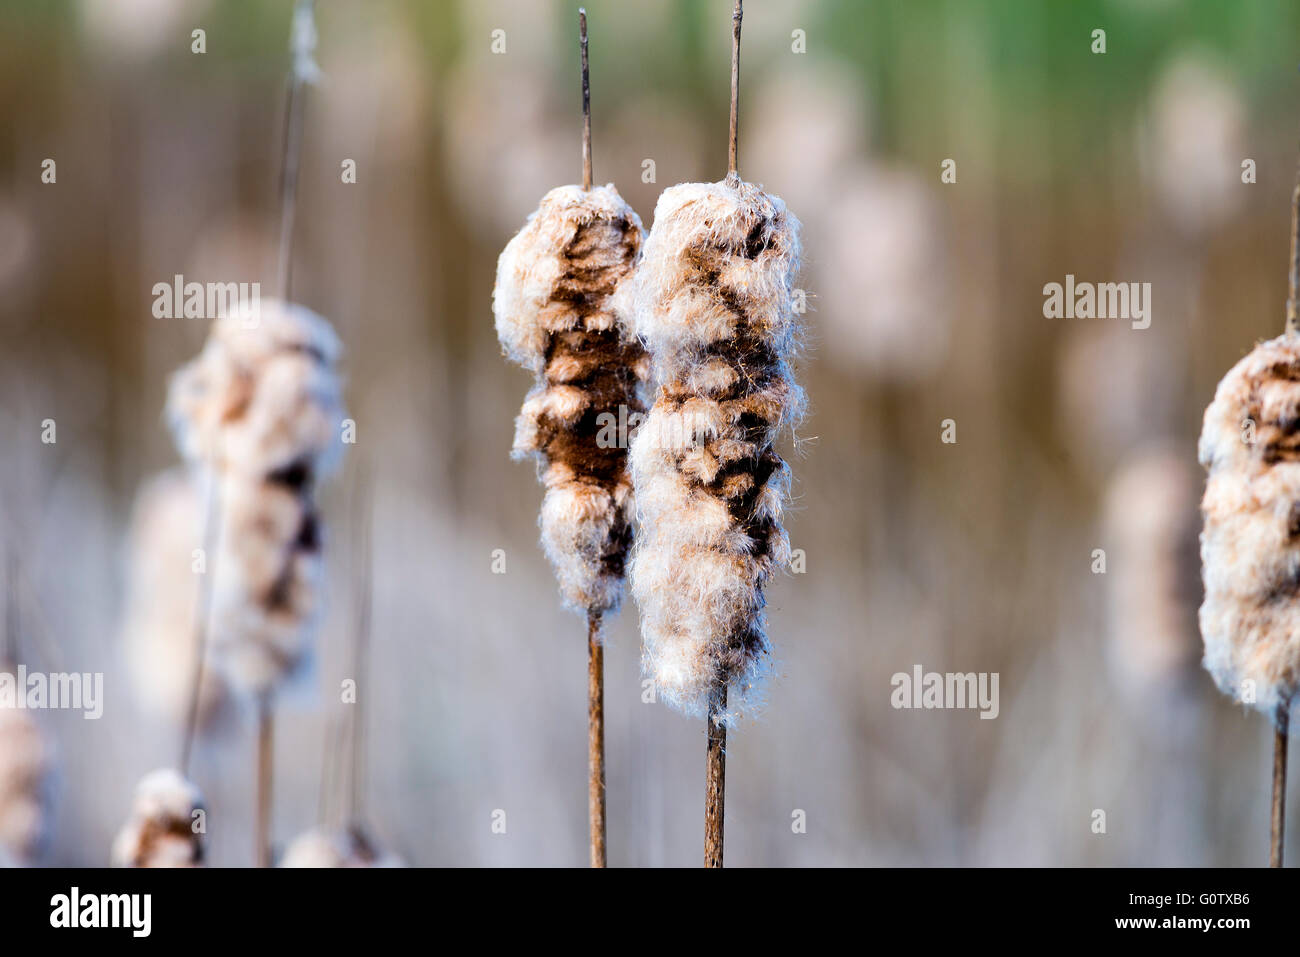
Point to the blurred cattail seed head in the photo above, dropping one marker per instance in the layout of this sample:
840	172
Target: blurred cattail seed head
1250	545
26	784
162	829
260	411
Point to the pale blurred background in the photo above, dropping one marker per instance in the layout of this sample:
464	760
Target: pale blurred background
925	304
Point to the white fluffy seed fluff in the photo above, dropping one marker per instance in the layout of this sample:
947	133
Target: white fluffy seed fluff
346	847
260	409
555	280
1250	544
162	828
263	395
26	777
713	302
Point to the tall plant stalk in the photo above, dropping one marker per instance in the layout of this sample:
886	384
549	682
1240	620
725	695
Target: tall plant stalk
715	764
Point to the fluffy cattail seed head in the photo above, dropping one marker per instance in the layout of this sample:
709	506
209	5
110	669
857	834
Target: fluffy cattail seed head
347	847
26	779
263	397
713	302
1250	545
266	583
552	303
260	412
163	827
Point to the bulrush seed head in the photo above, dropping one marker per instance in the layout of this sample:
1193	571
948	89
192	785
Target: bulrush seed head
345	847
712	301
1250	545
555	281
26	779
260	409
162	829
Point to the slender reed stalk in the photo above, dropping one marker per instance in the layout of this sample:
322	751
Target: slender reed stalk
595	651
1277	819
733	137
712	302
1277	832
586	101
715	779
596	739
1293	276
202	609
1250	635
715	767
302	42
553	302
265	768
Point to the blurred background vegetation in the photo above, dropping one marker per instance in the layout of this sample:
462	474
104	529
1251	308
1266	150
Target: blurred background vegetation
926	304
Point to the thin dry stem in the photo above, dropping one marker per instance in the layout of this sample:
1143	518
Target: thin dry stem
201	611
265	756
733	164
596	739
586	101
1278	829
715	779
1293	279
290	160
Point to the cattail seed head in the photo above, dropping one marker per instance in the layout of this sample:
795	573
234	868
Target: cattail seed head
1250	544
266	583
259	411
161	830
713	302
26	784
552	303
263	396
347	847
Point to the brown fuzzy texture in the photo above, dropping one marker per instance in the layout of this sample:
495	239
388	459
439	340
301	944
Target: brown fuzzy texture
555	280
259	413
1250	546
161	830
26	778
712	300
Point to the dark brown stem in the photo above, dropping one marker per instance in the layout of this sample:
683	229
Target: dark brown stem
733	164
291	155
586	101
596	739
265	762
201	611
1278	828
1293	278
715	779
